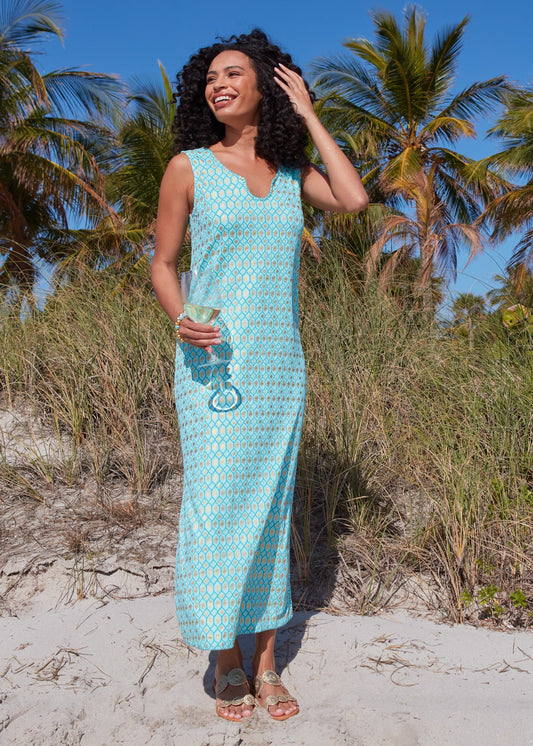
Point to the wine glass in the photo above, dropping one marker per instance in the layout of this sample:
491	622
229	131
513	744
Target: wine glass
202	302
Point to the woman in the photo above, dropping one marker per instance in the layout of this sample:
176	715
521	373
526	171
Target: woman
242	124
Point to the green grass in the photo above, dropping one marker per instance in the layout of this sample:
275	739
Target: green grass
416	461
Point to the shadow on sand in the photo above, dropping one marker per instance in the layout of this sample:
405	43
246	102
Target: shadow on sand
288	643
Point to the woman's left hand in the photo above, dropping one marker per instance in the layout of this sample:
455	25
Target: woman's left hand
294	86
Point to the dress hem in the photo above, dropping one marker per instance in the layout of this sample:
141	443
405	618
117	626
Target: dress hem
261	626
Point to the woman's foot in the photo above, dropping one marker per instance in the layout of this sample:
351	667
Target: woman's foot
282	704
269	684
273	696
231	684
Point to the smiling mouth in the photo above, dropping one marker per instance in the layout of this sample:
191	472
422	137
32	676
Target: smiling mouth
223	99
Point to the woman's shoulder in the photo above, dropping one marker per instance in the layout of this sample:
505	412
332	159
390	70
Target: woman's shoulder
185	163
196	159
292	172
180	166
196	154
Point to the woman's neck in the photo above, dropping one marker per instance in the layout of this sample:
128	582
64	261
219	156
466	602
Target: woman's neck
241	139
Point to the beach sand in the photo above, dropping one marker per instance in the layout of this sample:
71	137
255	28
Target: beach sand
114	671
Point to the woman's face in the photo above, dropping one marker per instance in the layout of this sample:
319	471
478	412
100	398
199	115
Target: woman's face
231	88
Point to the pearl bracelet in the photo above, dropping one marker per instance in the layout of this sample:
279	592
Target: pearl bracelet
177	326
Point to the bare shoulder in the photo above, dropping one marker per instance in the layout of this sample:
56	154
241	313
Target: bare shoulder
178	181
179	170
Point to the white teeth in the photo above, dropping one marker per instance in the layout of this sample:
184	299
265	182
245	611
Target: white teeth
222	98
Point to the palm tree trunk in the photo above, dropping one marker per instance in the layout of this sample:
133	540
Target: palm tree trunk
470	333
423	280
427	302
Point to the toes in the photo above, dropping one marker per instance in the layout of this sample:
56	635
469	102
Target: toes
230	713
244	713
284	708
236	712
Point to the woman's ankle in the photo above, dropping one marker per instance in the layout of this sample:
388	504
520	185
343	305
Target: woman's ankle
263	662
228	659
263	658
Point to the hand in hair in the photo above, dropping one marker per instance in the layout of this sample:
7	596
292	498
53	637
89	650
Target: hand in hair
295	88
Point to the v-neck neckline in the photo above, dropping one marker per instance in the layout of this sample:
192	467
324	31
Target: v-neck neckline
243	178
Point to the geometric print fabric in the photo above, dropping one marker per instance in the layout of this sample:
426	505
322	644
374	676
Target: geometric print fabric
232	559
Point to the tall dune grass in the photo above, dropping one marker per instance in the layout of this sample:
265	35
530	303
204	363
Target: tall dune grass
420	442
95	365
416	458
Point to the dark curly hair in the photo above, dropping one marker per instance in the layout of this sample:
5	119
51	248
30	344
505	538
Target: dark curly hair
282	136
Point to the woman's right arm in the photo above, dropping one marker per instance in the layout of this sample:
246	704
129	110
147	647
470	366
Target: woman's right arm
176	198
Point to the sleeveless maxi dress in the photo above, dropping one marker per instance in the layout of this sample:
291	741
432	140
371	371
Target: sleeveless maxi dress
232	559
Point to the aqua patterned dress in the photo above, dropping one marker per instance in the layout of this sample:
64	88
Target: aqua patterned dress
232	560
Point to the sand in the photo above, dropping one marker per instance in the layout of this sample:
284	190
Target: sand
115	672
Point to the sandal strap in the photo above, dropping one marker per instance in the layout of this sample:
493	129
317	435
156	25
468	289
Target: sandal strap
272	678
268	677
246	700
235	677
274	699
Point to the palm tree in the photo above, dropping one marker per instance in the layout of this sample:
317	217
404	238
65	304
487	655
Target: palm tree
428	233
391	105
514	209
467	309
512	289
136	162
468	306
145	140
53	137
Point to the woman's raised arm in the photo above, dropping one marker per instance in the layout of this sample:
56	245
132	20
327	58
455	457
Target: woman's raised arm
341	189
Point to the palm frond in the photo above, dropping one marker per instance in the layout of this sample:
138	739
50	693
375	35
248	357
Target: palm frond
447	128
367	52
345	79
75	91
477	100
442	65
23	22
400	172
144	147
515	130
510	211
522	259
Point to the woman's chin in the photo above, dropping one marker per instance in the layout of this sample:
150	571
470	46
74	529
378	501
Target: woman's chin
235	119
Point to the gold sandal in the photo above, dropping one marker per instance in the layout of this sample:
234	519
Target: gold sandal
272	678
236	677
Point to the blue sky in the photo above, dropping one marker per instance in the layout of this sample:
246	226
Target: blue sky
128	37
